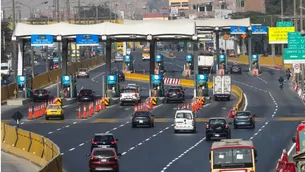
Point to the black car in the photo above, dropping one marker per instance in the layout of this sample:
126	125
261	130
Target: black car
175	95
142	118
218	128
104	140
120	74
235	68
244	119
40	95
85	95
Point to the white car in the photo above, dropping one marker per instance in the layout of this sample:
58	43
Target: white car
130	94
184	121
128	51
119	58
83	72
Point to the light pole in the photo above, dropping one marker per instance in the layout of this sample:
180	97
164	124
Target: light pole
32	8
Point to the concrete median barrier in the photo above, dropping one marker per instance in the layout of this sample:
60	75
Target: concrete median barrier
49	78
33	147
240	95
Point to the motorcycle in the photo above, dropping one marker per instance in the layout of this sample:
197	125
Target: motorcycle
281	86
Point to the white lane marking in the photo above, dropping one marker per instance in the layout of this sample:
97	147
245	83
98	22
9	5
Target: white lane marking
262	80
88	141
61	128
250	86
291	149
96	76
246	102
181	155
147	139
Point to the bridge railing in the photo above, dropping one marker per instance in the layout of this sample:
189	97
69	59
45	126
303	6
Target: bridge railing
49	78
31	146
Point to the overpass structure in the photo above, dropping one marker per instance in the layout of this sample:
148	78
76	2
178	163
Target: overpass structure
149	30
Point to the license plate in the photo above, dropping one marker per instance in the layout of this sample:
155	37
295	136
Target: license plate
102	146
103	160
54	113
140	121
40	95
217	135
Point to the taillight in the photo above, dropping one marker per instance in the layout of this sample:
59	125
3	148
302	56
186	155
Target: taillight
35	93
207	126
80	94
250	117
94	158
113	142
227	125
120	95
168	92
133	119
94	142
179	92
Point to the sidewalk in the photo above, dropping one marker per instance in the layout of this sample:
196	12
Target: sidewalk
10	163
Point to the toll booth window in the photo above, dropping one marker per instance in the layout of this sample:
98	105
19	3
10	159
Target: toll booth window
217	121
184	116
129	90
140	114
53	107
232	157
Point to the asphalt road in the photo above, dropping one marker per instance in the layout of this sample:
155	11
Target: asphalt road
10	163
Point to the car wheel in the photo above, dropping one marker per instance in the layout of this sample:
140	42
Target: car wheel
207	138
133	126
121	104
34	100
253	125
88	76
228	136
194	131
153	124
175	131
77	76
47	118
62	117
235	127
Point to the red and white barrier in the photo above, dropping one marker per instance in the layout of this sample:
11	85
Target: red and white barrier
171	81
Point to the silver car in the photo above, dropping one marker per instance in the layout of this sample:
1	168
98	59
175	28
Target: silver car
83	72
119	58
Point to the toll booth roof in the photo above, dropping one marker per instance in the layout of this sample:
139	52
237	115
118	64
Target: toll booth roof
231	143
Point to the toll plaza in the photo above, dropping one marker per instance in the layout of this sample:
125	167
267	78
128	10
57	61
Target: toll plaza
127	63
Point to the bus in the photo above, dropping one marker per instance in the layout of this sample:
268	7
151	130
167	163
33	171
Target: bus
233	155
299	138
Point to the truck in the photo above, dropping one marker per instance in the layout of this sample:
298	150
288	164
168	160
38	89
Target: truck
222	87
5	68
205	62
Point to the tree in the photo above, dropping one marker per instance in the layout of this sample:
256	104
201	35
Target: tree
103	13
256	17
6	44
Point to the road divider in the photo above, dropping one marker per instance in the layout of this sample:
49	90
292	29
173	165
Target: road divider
30	146
263	61
49	78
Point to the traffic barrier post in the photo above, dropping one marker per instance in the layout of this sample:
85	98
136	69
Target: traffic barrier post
23	142
79	115
36	145
30	113
10	138
85	112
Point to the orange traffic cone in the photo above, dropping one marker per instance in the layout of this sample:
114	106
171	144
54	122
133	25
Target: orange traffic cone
30	113
85	112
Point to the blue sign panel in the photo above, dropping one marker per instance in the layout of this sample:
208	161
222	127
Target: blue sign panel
257	30
188	58
238	30
222	58
127	58
202	78
158	58
255	57
302	140
21	80
66	80
55	59
156	79
42	40
111	79
87	40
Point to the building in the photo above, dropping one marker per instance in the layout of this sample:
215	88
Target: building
250	5
155	16
180	4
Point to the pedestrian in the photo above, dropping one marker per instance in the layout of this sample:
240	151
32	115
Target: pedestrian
288	74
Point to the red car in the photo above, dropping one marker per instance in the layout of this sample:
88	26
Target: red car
104	159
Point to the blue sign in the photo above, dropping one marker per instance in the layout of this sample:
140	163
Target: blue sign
156	79
222	58
21	80
258	30
55	59
255	57
127	58
238	30
66	80
302	140
202	78
111	79
188	58
87	40
158	58
42	40
100	48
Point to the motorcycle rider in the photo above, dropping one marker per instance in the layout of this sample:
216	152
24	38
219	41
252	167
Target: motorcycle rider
281	80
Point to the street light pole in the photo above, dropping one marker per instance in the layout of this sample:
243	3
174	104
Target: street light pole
282	15
78	15
57	9
301	29
14	14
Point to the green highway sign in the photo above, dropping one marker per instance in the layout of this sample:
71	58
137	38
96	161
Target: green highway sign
296	41
284	24
294	56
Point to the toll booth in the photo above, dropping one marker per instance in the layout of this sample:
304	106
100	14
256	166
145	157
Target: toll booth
113	86
202	85
255	62
67	86
23	90
159	66
222	63
157	85
190	61
128	63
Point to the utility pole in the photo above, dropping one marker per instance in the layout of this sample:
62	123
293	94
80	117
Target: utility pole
282	15
78	15
14	14
57	10
301	28
68	9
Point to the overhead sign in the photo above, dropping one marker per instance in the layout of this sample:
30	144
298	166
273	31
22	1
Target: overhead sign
294	56
42	40
87	40
188	58
111	79
127	59
258	30
238	30
279	35
284	24
66	80
21	80
296	68
156	79
296	40
202	78
158	58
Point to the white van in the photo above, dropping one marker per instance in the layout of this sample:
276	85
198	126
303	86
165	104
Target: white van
184	121
5	69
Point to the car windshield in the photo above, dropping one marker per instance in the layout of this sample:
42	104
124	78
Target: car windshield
186	115
102	138
4	67
129	90
40	91
82	70
232	157
243	114
217	121
53	107
103	153
141	114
